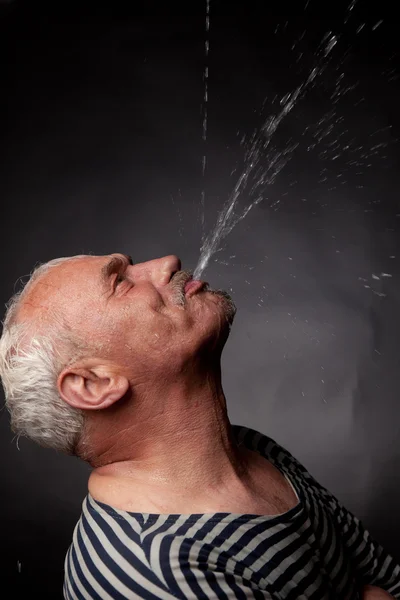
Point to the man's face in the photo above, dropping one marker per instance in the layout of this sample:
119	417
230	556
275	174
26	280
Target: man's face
135	312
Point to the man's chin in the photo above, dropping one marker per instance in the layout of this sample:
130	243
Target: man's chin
228	304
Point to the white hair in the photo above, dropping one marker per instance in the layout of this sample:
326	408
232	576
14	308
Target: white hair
30	362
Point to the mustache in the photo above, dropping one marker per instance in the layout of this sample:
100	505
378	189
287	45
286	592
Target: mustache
180	279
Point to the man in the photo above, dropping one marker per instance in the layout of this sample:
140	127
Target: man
119	364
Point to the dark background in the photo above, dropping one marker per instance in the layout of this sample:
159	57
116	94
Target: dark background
101	151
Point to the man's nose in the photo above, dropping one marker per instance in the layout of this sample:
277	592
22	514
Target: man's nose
167	265
159	270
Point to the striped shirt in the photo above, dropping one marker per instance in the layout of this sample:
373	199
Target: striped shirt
316	550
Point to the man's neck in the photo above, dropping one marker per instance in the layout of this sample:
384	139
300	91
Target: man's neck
176	441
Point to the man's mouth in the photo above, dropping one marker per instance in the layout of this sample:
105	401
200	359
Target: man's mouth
192	286
187	285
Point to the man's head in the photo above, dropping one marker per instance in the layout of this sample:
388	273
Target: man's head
86	330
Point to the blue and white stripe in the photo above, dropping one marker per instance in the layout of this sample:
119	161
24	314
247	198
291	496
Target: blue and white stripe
317	550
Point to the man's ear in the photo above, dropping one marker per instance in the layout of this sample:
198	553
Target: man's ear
91	389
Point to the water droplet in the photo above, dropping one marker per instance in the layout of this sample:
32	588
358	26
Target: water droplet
377	25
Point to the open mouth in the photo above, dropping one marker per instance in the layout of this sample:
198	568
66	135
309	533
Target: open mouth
194	285
187	285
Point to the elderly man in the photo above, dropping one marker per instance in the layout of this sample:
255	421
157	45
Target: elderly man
119	364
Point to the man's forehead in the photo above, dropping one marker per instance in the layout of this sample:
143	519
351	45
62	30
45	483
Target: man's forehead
72	267
57	277
60	275
81	269
60	281
77	268
90	262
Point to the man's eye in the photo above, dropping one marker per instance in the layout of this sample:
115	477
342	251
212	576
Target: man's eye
120	278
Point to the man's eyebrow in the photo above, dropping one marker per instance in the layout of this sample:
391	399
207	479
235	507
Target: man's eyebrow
112	266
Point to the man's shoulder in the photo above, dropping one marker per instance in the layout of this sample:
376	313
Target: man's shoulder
282	458
272	450
256	440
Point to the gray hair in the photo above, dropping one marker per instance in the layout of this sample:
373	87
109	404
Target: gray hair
30	362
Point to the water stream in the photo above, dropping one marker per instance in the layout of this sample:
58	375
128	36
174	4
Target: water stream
205	108
259	148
